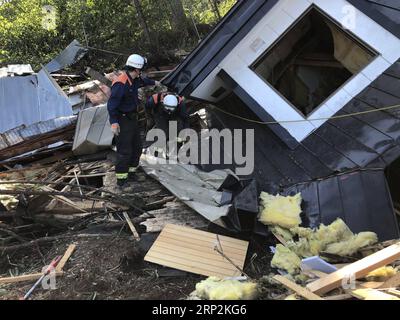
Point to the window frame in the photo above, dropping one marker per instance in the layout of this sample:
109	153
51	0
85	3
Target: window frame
348	33
278	21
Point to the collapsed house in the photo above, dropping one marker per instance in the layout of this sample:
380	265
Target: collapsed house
34	110
319	83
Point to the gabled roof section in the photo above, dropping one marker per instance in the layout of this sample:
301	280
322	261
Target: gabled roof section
240	20
384	12
226	35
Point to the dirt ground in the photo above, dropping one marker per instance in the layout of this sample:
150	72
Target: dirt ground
111	267
108	264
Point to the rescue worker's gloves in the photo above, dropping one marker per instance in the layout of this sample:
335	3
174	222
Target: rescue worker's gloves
115	129
158	84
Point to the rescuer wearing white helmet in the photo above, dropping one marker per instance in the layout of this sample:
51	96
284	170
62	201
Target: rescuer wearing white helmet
162	108
123	111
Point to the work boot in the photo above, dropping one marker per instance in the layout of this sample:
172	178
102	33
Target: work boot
134	177
123	186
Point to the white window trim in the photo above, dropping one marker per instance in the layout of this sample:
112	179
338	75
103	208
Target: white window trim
282	16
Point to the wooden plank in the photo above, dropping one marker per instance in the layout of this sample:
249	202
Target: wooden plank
131	226
369	285
372	294
305	293
357	269
394	292
198	234
196	239
199	246
192	269
98	76
393	282
25	277
38	142
198	252
221	263
193	262
65	257
280	238
193	251
345	296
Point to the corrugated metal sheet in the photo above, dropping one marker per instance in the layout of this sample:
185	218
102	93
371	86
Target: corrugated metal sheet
31	99
13	136
22	133
16	69
71	54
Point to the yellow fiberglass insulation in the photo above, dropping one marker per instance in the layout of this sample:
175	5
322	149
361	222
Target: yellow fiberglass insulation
312	243
352	245
336	238
286	259
381	274
280	211
216	289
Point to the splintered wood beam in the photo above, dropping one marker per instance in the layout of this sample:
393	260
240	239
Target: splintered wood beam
305	293
65	257
40	141
356	270
131	226
25	277
98	76
345	296
372	294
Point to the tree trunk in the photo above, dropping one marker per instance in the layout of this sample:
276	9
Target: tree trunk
142	21
179	21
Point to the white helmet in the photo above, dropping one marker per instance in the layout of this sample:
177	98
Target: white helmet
170	102
136	61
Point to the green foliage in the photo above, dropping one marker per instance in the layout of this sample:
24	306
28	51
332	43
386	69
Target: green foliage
34	31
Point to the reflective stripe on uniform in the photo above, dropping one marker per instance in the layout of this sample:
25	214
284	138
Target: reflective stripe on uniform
121	176
133	169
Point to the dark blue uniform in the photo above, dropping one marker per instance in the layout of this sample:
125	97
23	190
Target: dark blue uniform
123	107
124	95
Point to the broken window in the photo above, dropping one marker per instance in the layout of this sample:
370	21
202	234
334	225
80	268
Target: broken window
312	60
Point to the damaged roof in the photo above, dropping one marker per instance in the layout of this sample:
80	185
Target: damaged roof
333	164
239	21
358	141
31	99
70	55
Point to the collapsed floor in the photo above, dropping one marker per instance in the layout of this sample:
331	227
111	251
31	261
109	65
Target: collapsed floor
108	261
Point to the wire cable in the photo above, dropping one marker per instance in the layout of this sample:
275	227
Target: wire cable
212	107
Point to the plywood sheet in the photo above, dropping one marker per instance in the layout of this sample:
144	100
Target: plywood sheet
194	251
